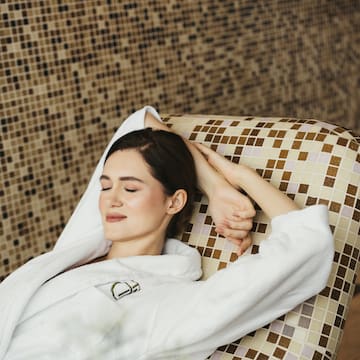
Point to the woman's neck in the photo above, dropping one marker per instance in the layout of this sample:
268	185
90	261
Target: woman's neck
136	247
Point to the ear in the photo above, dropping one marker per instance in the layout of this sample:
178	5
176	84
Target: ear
177	201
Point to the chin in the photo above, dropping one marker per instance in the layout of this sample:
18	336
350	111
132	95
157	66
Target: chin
109	235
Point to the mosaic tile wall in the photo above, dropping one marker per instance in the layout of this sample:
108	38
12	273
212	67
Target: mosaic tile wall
71	71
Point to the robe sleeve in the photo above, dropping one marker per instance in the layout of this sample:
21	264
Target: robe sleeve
292	265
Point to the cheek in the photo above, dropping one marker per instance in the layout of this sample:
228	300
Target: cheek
102	203
158	203
149	202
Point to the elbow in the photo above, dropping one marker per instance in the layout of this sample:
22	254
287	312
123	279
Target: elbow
327	252
324	260
319	264
328	262
325	273
318	271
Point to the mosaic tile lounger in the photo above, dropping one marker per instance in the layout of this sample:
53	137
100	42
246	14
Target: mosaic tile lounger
313	162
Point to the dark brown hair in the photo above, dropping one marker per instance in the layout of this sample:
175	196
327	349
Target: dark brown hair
170	162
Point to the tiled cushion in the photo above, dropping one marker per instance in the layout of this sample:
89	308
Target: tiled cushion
313	162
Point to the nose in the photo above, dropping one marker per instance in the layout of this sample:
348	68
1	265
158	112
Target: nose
116	203
115	199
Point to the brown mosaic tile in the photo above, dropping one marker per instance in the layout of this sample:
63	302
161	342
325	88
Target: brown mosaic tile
317	356
286	175
323	341
231	349
279	353
303	188
251	354
272	338
326	329
284	342
329	182
302	156
277	143
335	207
352	189
335	160
296	144
327	148
216	254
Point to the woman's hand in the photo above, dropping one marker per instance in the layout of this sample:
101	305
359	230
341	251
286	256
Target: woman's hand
232	213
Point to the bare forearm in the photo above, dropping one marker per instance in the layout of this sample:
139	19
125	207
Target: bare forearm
272	201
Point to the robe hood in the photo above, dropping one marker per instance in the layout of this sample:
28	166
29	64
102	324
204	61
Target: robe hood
86	215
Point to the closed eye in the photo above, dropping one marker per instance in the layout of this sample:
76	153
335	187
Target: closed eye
131	190
105	188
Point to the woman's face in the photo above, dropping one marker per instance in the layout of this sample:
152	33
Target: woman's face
132	202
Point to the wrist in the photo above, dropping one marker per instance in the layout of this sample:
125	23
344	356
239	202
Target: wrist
237	175
208	178
243	175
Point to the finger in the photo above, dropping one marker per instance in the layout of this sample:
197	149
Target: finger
215	159
202	148
245	214
245	244
233	234
235	241
245	224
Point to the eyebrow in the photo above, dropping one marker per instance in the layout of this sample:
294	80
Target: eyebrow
123	178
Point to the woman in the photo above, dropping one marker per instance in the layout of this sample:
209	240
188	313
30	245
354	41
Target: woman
131	302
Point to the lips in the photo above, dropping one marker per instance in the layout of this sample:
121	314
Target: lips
111	218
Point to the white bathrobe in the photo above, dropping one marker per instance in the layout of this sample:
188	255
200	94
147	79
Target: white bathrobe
152	307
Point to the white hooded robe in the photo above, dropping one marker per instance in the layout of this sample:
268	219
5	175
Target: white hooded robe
49	313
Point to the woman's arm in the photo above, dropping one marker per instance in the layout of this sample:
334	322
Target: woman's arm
292	265
271	200
231	211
